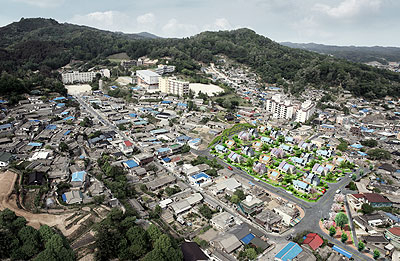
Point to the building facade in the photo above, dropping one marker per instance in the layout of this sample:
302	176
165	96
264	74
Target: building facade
171	85
305	112
77	77
148	79
280	108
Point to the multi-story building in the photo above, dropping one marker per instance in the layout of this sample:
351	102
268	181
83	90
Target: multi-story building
128	63
82	77
280	108
393	235
171	85
148	79
161	69
77	77
305	112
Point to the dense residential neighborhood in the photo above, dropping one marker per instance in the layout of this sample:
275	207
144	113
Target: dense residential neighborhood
202	141
270	176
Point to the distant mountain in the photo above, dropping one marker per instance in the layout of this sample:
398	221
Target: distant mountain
42	29
352	53
148	35
46	45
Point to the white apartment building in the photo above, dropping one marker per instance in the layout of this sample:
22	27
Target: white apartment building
148	79
280	108
171	85
305	112
77	77
161	69
82	77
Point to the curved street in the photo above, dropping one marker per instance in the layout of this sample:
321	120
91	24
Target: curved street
314	211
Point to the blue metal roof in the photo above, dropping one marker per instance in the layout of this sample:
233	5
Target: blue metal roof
166	102
395	218
163	149
362	153
5	126
342	251
357	146
69	118
59	98
64	197
246	240
78	176
131	164
134	115
35	144
67	132
51	127
201	175
166	159
289	252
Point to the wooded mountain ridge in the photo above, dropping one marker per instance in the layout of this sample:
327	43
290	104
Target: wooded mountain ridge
46	45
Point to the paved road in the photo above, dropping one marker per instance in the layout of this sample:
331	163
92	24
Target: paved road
314	211
100	117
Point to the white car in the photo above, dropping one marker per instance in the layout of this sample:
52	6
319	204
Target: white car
338	191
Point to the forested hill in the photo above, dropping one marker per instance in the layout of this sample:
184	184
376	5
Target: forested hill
352	53
46	45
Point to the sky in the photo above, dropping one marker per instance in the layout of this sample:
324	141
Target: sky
336	22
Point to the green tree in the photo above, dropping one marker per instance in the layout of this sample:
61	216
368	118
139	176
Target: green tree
240	194
344	237
361	246
153	255
332	231
154	232
343	146
235	199
377	254
354	176
369	143
251	253
367	208
352	185
341	220
379	154
46	233
63	147
205	211
137	236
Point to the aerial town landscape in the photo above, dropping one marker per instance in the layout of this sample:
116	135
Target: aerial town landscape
159	153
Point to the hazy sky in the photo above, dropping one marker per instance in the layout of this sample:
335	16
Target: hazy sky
340	22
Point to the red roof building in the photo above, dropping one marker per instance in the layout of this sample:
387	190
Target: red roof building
395	231
313	240
128	143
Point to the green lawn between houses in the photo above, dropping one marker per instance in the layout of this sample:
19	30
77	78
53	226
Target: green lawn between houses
286	182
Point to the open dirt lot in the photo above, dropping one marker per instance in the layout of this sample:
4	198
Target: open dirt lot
7	180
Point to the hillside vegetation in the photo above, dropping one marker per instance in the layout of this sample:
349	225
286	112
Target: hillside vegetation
352	53
45	45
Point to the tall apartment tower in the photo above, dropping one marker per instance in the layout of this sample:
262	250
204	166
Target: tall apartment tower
171	85
280	108
305	112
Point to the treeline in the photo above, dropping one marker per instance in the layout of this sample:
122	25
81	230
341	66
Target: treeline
21	242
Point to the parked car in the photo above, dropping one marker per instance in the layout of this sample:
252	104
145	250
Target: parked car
230	168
